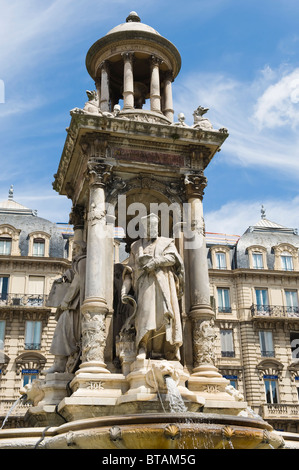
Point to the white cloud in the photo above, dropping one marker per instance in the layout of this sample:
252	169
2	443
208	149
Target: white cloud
253	113
236	216
279	104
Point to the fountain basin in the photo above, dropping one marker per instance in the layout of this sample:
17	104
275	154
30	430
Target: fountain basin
167	431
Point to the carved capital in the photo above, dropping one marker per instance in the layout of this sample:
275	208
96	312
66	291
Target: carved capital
105	66
168	76
128	56
195	185
155	61
98	174
77	216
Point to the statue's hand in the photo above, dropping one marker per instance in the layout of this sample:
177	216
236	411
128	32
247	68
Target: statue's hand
150	266
63	306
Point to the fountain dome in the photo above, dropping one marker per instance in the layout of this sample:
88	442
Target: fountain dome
133	63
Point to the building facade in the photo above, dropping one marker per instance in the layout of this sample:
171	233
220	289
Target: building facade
33	252
254	284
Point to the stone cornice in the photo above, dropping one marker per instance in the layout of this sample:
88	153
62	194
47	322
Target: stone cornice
7	262
201	145
253	272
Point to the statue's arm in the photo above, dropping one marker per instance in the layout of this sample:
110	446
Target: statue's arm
127	284
72	291
168	259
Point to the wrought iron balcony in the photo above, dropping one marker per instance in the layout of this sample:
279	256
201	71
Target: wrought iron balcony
274	311
224	309
23	300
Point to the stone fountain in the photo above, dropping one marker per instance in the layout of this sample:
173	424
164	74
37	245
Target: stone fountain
134	344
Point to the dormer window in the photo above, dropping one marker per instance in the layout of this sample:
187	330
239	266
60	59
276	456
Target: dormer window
220	257
286	257
257	260
5	246
257	257
9	240
286	262
220	260
38	247
39	244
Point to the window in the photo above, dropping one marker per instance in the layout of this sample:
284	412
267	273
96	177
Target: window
266	344
257	261
38	247
3	288
294	340
29	375
220	257
233	380
223	300
220	260
2	334
5	246
262	300
291	301
286	257
39	244
227	343
36	290
257	257
286	262
33	335
271	388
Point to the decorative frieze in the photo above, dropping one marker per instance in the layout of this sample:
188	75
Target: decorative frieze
204	336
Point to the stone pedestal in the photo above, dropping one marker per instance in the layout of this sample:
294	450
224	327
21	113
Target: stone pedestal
94	395
209	383
148	390
46	396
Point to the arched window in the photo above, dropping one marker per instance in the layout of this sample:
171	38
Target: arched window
286	257
9	240
39	244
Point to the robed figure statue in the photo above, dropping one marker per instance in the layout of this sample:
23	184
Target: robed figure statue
155	271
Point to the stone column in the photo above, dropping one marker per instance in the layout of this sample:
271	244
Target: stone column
195	246
94	308
155	96
168	103
205	379
104	94
128	87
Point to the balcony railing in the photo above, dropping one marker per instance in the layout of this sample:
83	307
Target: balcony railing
279	410
23	300
274	311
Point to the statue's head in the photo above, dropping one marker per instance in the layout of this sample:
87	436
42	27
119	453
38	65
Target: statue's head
150	226
79	248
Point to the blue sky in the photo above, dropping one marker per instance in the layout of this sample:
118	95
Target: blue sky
240	59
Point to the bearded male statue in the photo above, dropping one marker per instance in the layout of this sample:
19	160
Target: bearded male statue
155	271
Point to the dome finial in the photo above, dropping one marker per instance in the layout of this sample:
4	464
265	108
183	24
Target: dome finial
133	17
10	192
263	212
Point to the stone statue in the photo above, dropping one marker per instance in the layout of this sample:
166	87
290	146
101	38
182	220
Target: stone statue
155	271
92	105
201	122
67	335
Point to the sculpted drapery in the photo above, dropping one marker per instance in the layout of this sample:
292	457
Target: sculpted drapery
155	271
